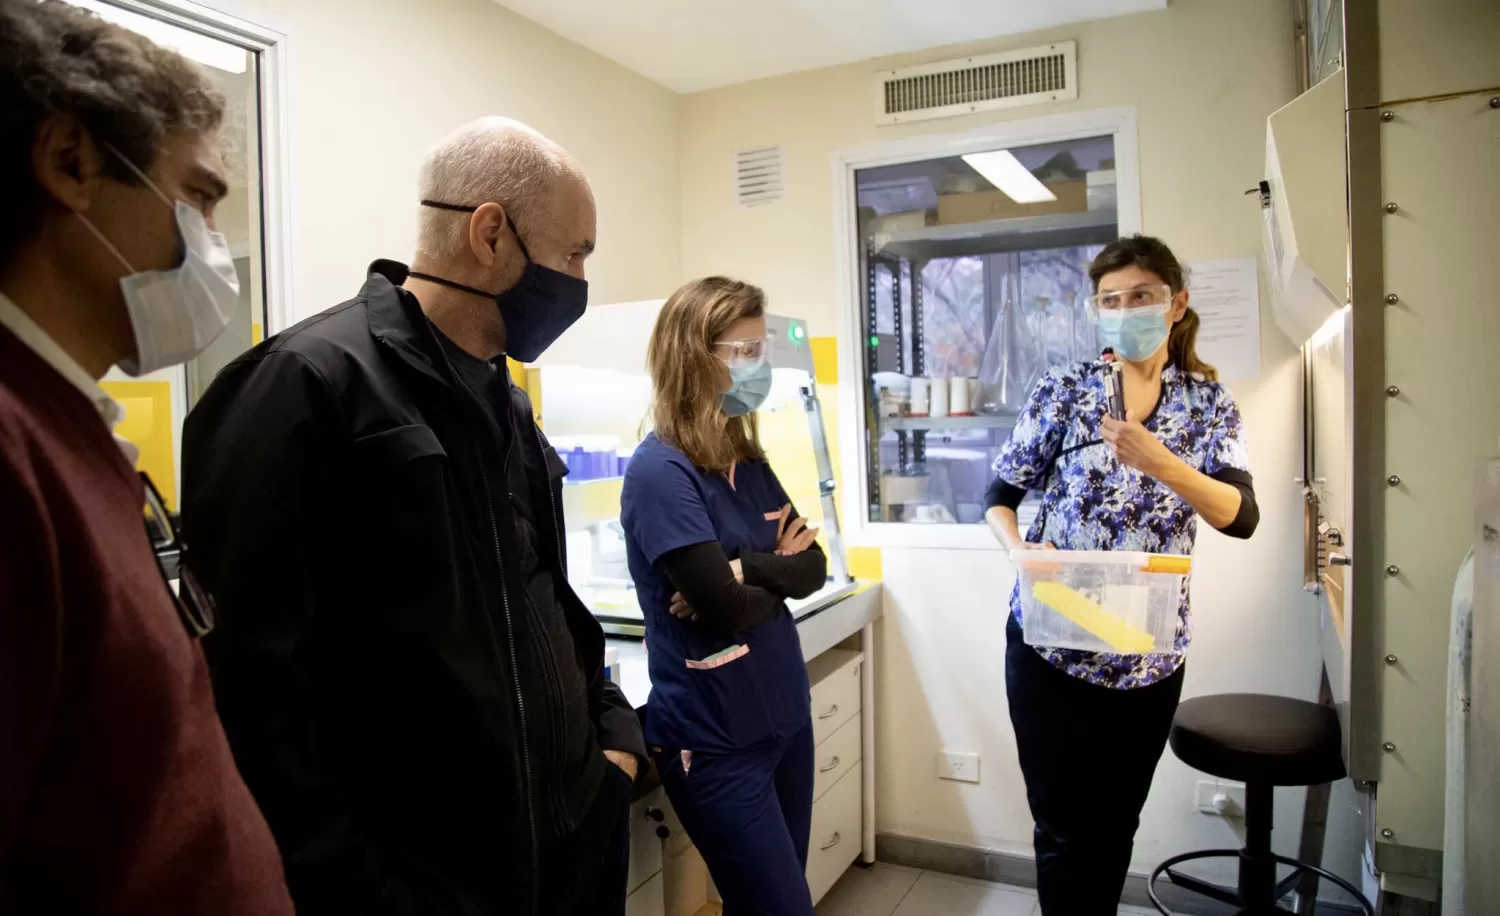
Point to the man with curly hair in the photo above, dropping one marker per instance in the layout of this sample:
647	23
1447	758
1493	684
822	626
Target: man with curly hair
118	793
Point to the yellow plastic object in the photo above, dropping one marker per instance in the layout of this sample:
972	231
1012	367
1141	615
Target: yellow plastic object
864	562
148	425
1162	563
1121	637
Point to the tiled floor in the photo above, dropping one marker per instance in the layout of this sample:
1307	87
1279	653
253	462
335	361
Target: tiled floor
891	890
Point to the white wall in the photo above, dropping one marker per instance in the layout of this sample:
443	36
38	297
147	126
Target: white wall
1202	76
379	81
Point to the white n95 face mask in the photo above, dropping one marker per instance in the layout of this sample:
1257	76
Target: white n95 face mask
177	313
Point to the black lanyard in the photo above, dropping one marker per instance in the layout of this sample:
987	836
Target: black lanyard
195	606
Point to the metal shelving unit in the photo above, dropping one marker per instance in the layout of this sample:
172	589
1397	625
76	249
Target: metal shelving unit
928	424
997	236
890	251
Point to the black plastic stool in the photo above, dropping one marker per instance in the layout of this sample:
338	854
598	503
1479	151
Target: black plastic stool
1263	741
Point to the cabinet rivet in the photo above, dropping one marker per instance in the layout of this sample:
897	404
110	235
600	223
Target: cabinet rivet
1387	833
1391	207
1387	116
1393	570
1388	747
1392	392
1393	480
1392	299
1391	659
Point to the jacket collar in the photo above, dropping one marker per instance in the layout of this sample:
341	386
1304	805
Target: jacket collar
397	321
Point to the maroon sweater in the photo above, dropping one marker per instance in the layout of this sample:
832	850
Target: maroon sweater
118	794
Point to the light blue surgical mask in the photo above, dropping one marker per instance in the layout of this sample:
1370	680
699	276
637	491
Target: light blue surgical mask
749	388
1134	334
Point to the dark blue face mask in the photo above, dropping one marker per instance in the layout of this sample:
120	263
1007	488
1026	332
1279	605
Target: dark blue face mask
537	310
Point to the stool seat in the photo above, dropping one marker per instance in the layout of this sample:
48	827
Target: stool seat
1252	737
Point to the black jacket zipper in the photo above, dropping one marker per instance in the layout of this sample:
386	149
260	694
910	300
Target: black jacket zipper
529	785
515	674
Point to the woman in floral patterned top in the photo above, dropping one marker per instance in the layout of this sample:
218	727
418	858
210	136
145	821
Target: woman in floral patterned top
1090	728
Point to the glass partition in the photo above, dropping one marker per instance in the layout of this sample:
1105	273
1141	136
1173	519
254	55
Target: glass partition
976	269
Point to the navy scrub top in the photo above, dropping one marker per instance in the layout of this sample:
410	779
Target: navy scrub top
709	692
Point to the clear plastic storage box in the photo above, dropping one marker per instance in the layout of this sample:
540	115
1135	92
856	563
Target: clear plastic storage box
1118	602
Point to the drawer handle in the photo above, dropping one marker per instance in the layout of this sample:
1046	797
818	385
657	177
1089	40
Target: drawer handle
833	765
831	843
830	713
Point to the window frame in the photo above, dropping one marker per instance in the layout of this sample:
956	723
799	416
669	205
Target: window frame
274	44
1118	122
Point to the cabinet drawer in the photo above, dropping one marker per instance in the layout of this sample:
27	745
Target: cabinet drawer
834	676
836	832
645	845
677	838
685	886
648	899
836	756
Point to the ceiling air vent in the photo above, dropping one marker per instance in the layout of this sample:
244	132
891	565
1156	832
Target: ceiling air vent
1030	76
757	176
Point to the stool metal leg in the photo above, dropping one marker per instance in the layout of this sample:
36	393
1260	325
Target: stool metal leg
1224	895
1257	860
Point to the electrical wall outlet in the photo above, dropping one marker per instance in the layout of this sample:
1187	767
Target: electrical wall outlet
958	766
1221	799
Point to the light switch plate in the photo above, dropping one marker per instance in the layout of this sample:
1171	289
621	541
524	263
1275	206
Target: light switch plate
959	766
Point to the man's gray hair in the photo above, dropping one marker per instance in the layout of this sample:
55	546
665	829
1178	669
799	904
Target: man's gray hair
488	160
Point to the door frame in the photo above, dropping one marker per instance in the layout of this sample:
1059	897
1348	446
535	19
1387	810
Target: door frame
274	45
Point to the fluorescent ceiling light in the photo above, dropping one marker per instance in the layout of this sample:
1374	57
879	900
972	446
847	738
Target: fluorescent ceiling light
1006	172
211	52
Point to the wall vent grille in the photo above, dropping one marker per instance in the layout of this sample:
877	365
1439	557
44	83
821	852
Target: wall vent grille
1011	79
758	176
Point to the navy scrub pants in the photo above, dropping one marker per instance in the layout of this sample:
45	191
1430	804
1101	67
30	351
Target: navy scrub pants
750	815
1087	754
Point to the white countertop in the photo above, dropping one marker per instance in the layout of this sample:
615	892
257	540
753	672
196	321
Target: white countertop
824	619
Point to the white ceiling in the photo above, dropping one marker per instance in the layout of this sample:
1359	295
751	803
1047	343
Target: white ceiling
689	45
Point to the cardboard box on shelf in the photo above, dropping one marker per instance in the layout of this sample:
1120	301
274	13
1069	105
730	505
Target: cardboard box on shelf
1072	197
901	222
1101	189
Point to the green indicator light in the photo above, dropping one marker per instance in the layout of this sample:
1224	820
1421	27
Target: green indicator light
874	342
796	332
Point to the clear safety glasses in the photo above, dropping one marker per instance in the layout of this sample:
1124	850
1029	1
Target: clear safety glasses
744	354
1115	302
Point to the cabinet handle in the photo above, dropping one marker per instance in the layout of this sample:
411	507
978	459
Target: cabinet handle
833	765
831	843
830	713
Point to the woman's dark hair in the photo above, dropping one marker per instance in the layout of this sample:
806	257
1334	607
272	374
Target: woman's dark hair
1149	253
127	92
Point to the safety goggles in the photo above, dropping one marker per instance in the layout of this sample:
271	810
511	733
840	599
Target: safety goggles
744	354
1121	300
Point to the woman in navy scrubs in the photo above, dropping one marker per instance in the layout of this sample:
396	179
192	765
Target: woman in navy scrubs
1091	727
715	548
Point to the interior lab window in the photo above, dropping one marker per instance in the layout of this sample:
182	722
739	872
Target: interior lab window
157	403
976	274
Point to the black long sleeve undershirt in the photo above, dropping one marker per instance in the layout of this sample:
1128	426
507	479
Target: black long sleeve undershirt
795	576
702	575
1246	520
